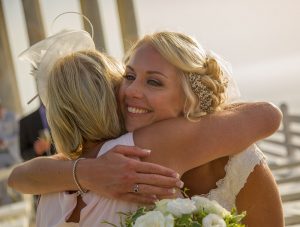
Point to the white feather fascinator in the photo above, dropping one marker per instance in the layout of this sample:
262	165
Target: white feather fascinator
45	53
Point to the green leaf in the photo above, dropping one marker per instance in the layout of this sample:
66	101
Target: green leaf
196	224
108	223
184	220
184	192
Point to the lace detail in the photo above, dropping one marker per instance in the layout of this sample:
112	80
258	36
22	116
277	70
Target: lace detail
238	169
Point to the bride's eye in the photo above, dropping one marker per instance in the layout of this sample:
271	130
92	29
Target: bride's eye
129	76
155	83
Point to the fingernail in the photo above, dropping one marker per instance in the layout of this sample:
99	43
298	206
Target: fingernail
172	190
147	150
176	175
179	184
155	200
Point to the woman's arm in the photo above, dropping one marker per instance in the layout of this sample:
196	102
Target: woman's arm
265	207
42	174
214	136
112	172
183	145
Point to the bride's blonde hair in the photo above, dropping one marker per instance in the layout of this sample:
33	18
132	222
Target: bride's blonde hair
82	104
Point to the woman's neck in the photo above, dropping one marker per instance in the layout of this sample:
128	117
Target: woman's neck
91	149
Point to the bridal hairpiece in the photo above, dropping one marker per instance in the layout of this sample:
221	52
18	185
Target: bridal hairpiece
205	94
199	89
45	53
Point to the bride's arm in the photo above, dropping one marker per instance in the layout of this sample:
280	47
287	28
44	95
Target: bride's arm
183	145
257	196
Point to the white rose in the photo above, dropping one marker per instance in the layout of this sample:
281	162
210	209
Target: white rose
213	220
169	221
161	206
151	218
209	206
179	206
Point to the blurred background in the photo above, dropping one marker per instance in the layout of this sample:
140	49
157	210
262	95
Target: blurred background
261	40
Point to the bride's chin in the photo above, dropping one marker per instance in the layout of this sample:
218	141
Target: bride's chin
133	126
129	127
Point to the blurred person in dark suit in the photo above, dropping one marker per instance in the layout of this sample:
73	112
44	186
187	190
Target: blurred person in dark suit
35	139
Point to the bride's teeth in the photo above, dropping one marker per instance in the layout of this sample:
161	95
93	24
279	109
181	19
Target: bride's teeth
136	110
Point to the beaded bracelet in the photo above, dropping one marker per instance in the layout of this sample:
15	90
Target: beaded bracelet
81	191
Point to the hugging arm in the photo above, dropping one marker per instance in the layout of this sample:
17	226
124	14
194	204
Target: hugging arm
216	135
107	175
47	172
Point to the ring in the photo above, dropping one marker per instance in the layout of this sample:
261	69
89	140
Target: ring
136	188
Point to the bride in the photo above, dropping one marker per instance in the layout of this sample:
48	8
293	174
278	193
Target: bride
172	97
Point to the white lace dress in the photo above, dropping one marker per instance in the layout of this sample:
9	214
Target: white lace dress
238	169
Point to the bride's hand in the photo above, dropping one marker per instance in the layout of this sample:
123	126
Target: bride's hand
116	173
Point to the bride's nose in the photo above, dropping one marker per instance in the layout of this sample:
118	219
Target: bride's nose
134	90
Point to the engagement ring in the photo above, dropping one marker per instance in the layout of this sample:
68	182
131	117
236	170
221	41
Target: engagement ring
136	188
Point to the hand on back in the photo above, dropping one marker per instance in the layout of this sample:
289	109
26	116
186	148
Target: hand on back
116	173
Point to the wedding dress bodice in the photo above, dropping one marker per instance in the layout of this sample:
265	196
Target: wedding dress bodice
238	169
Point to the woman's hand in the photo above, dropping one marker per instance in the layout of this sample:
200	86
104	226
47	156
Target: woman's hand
116	173
113	175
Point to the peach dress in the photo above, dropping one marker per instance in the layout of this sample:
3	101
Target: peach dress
55	208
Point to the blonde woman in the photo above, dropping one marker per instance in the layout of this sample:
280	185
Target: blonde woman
168	78
243	180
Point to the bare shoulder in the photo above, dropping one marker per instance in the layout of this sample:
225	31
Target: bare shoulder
260	199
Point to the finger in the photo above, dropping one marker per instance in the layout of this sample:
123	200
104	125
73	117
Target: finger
131	151
136	198
159	181
146	167
153	190
167	197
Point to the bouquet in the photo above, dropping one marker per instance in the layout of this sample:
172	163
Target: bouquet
195	212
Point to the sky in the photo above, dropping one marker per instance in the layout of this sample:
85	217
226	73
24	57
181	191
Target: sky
261	39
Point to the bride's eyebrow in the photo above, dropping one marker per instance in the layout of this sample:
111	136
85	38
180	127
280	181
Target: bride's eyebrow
148	71
156	72
129	67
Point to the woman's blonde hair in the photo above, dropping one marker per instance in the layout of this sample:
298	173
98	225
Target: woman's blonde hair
202	78
82	104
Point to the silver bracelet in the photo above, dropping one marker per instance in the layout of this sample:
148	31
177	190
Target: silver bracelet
81	191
